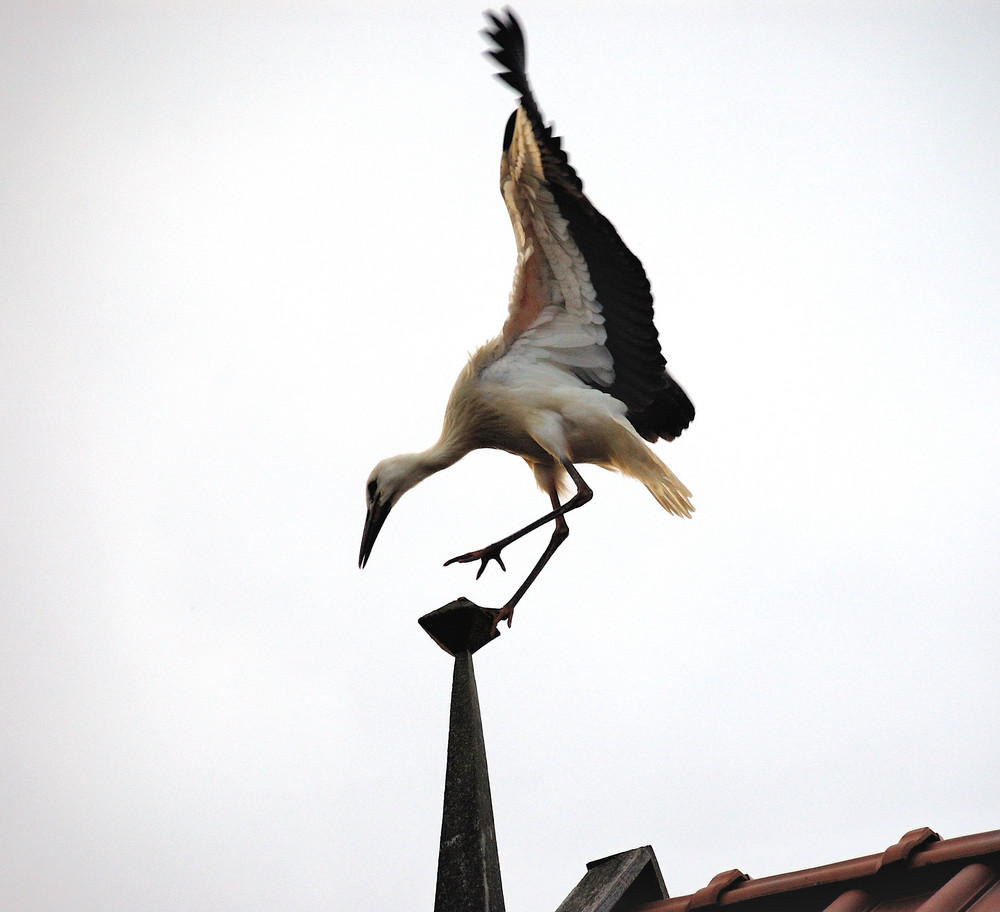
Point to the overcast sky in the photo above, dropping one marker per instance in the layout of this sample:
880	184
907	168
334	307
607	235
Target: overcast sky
244	250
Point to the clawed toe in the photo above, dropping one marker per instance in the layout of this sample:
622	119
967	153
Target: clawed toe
484	554
507	612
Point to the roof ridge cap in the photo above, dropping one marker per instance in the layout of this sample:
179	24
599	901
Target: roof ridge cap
709	895
907	845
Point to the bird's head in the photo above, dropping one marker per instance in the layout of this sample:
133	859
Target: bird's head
389	481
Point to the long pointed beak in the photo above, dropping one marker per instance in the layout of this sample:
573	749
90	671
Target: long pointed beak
377	514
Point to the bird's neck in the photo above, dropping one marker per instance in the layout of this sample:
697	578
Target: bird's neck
455	441
413	468
446	452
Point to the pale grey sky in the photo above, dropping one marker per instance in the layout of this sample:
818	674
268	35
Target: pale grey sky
244	249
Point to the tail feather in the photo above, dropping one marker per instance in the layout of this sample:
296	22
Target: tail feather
637	460
670	492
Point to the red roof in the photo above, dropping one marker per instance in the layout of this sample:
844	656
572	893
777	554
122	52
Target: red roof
921	871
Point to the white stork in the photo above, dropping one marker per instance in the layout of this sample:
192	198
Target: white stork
577	374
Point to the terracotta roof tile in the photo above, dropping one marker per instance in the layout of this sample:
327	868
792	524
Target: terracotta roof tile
920	872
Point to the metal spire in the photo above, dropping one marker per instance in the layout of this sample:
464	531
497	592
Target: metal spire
468	876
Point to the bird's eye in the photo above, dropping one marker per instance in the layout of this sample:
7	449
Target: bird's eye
372	488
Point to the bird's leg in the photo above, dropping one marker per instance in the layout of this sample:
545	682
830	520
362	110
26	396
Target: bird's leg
559	535
492	552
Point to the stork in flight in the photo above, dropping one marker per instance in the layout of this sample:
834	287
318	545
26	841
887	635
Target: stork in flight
576	375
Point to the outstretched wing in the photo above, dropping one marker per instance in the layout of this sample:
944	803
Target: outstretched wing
580	296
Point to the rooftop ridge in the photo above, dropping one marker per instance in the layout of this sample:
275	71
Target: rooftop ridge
917	850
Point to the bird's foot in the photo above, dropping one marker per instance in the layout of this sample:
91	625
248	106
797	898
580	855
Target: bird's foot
500	614
490	552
